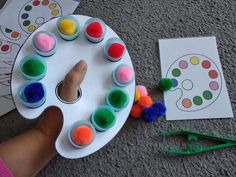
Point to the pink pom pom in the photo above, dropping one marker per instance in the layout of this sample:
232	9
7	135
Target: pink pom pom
142	90
44	42
125	74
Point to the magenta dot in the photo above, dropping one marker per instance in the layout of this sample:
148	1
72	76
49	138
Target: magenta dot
5	48
206	64
183	64
36	3
214	85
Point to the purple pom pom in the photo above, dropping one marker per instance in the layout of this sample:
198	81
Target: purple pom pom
160	107
150	114
34	92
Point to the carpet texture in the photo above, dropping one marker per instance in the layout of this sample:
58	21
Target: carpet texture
134	152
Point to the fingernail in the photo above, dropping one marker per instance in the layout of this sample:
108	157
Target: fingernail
81	66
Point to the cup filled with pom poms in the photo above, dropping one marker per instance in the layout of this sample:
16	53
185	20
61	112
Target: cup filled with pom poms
33	67
32	94
114	49
81	134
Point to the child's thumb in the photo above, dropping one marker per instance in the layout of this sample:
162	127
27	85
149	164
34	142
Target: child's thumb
71	83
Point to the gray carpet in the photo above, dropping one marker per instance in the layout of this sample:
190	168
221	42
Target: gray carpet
134	151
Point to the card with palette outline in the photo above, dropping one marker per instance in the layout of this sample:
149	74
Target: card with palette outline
10	35
28	15
199	87
6	104
5	74
8	49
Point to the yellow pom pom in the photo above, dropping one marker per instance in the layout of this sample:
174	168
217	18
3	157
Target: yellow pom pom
67	27
137	95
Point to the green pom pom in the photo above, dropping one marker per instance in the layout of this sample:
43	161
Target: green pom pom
104	118
118	98
33	67
165	84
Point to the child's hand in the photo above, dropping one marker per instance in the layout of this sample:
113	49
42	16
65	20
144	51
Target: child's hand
51	122
26	154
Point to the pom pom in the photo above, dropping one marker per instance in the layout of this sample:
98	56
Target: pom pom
67	27
44	42
136	111
145	101
82	135
34	92
33	67
165	84
137	95
142	90
150	114
160	107
125	74
116	50
94	30
118	98
103	118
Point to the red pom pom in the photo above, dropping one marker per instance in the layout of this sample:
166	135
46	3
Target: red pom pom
94	29
136	111
145	101
116	50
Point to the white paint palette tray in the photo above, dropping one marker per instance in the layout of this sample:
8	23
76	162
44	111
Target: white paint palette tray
95	87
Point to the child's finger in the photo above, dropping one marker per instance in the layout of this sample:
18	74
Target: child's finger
72	81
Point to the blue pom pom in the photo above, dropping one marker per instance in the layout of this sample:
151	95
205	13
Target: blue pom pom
34	92
160	107
150	114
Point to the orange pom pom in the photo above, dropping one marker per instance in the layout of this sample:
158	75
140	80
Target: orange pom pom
82	135
136	111
145	101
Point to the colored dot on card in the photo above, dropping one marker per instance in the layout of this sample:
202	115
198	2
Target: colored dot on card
24	16
31	28
36	3
207	95
52	5
39	20
176	72
187	84
28	8
55	12
5	48
7	30
194	60
183	64
175	82
15	34
187	103
45	2
213	74
214	85
26	23
197	100
206	64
